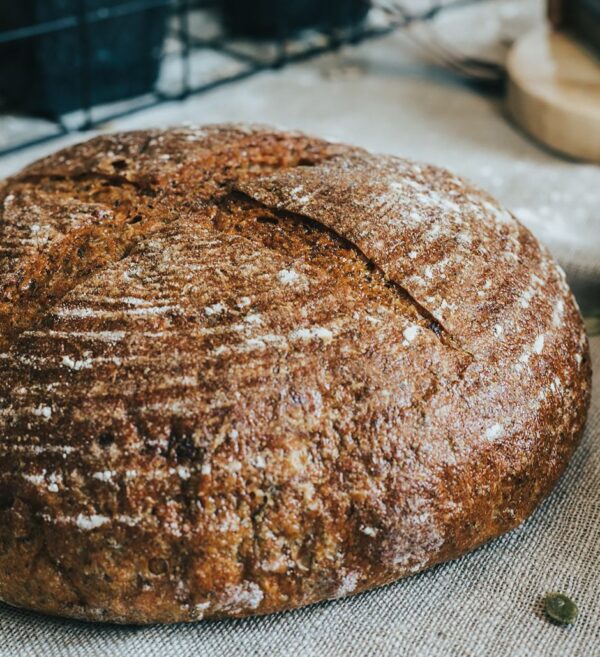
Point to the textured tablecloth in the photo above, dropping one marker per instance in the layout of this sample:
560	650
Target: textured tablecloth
489	602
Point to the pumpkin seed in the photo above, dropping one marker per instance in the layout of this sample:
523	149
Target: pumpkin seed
560	608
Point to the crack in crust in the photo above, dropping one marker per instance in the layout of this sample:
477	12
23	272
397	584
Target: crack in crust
431	323
111	236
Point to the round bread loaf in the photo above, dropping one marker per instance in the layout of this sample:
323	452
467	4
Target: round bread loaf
243	370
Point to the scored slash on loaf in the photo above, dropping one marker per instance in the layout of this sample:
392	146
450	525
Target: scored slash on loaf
244	370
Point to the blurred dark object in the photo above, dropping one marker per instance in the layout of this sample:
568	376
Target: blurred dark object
581	18
97	57
62	55
274	18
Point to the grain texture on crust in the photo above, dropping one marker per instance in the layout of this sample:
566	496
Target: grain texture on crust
243	370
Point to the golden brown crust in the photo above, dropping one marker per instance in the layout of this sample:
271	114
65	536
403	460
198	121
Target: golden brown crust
244	370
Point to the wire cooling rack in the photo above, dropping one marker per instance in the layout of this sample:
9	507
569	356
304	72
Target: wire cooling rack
165	50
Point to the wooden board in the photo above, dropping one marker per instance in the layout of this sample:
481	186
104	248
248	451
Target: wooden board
554	92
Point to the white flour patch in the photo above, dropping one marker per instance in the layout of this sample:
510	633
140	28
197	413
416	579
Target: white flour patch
43	411
247	595
494	432
253	318
91	522
369	531
315	332
37	480
183	472
557	313
215	309
105	475
410	333
77	365
538	345
288	276
347	585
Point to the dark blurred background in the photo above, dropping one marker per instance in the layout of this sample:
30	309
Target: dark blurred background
81	63
61	56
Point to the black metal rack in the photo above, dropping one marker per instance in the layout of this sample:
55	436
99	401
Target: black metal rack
194	32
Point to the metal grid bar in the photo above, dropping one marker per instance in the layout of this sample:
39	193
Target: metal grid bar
180	12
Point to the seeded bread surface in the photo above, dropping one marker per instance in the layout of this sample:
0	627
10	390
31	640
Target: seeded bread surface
244	370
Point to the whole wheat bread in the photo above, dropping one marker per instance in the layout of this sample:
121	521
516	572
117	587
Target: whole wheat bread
243	370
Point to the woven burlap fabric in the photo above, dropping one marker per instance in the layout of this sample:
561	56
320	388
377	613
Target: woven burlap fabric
488	603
